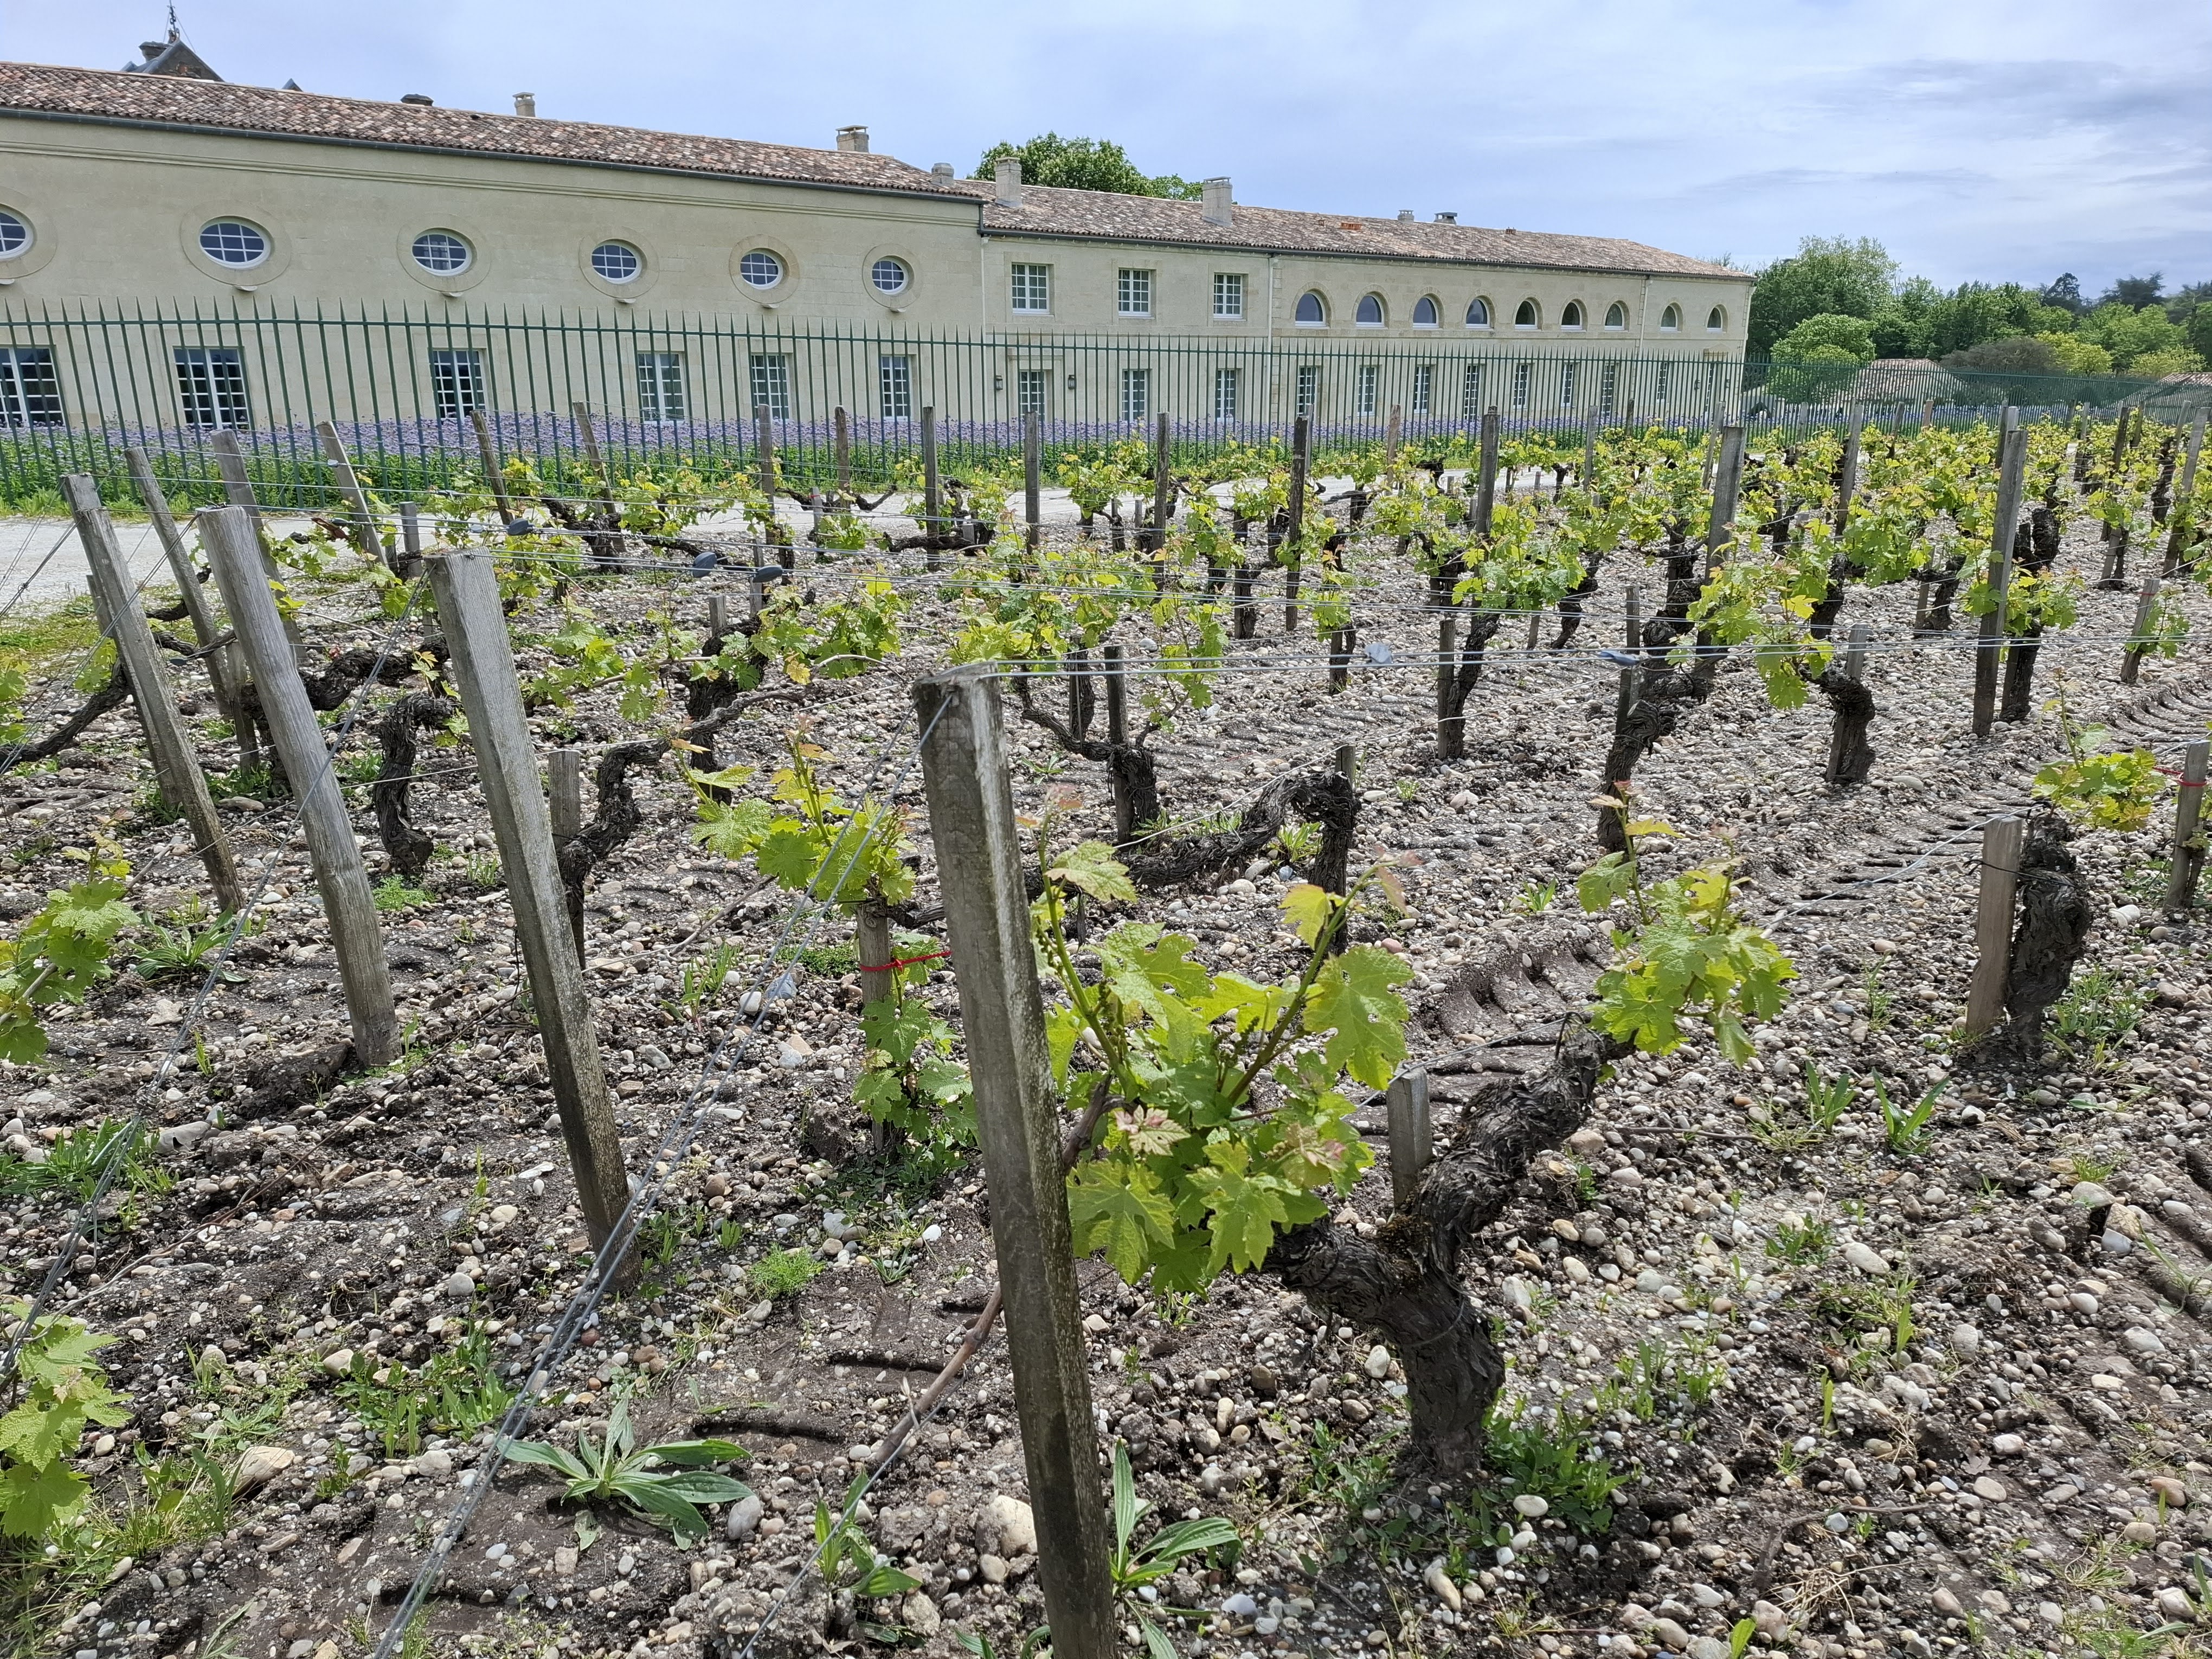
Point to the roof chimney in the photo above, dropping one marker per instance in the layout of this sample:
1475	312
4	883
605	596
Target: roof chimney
942	169
1448	218
1006	174
854	139
421	98
1218	206
525	103
1405	216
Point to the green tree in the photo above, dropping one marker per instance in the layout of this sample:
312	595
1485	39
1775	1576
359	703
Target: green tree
1085	164
1852	335
1818	358
2130	336
2016	354
1827	276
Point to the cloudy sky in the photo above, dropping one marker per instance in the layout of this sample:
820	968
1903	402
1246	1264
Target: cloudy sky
1975	139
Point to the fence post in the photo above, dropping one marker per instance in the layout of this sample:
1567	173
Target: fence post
1854	670
223	670
1412	1142
1301	458
348	908
483	671
365	540
1033	477
2188	859
979	862
2012	445
933	489
1117	737
564	788
2138	640
2179	537
176	764
1485	479
238	490
494	479
1728	484
1451	724
1847	483
2002	839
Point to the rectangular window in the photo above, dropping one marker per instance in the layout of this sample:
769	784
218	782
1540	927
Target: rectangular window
1224	394
1028	390
772	384
1567	385
1033	289
1308	387
661	386
1522	373
895	388
1133	294
457	382
1608	387
1665	380
1470	393
211	387
1371	377
1425	379
30	391
1136	393
1229	295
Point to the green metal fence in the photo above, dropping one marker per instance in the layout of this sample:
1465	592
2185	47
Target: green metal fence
78	384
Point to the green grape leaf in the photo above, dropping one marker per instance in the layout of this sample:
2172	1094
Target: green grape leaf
1117	1207
1091	866
32	1498
1353	998
1307	908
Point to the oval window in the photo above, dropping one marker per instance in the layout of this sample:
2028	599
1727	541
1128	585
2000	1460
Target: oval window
617	261
761	269
1425	313
234	242
1616	315
1670	319
1310	310
889	274
1525	317
1369	314
1572	316
1478	313
1716	320
15	234
441	251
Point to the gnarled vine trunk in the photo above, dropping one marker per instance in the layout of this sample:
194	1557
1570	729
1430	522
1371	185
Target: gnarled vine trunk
2035	550
1850	755
409	848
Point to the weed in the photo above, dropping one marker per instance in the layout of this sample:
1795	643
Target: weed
829	961
1295	843
1878	1000
703	980
1905	1129
618	1470
2099	1011
1536	898
850	1566
483	870
1553	1461
1409	790
1826	1099
782	1272
1804	1243
244	783
455	1393
150	808
74	1163
1135	1565
732	1234
398	893
173	952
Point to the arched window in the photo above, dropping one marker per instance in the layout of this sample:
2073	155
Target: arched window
1369	313
234	242
15	234
441	251
1716	320
1478	313
1525	315
617	261
1425	313
1616	315
1670	319
761	269
1312	310
1572	316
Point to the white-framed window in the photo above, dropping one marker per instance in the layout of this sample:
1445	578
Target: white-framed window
457	382
1424	312
1030	390
1032	288
1478	312
1369	312
1425	383
1526	315
1365	386
895	387
211	387
234	242
771	383
1608	387
1224	394
1228	296
890	276
30	391
1136	393
760	269
15	236
1571	317
441	253
1309	388
1716	320
1470	393
1133	293
1670	320
1521	374
1567	385
617	261
660	387
1616	315
1665	384
1311	310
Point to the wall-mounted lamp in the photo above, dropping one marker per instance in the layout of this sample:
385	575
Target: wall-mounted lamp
1071	383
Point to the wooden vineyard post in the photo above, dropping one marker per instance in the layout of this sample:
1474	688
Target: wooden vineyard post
2138	637
1162	491
222	659
1728	484
2012	446
1847	478
1854	670
494	479
348	908
2188	857
933	489
1340	643
841	452
1394	434
2181	518
1632	677
587	430
1301	460
1346	762
410	537
1033	478
1485	481
1451	724
564	790
1412	1142
987	917
360	521
507	760
176	762
2001	840
1117	737
1588	479
1080	706
1927	413
238	490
